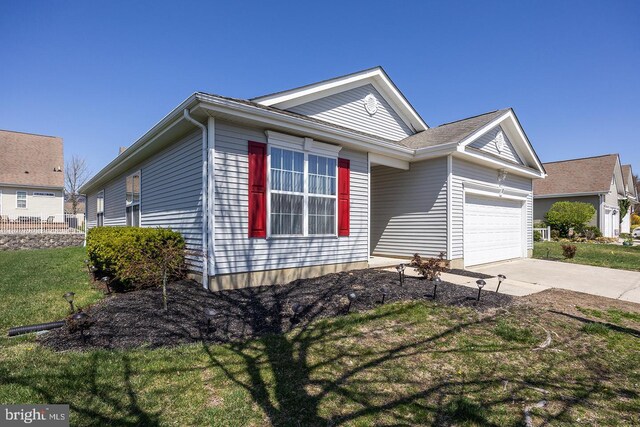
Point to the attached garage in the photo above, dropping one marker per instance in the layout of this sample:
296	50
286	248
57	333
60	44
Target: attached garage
493	229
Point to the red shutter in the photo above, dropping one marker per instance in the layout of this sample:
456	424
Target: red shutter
344	194
257	189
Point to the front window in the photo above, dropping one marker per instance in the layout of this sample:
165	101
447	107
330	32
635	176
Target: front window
21	199
133	200
100	209
303	199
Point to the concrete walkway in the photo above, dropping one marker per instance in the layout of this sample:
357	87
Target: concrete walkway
606	282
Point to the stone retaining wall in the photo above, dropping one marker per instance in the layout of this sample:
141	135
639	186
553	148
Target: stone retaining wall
10	242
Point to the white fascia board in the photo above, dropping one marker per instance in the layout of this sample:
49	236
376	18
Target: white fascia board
166	123
557	196
376	77
436	151
378	159
506	116
296	124
499	164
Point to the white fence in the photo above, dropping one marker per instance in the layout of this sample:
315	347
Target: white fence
545	233
39	224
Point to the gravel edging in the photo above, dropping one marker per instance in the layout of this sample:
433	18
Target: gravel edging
136	319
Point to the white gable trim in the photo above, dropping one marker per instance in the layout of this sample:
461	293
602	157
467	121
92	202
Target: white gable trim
376	77
512	128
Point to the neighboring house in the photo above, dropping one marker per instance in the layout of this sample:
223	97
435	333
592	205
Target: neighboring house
632	194
319	178
31	177
595	180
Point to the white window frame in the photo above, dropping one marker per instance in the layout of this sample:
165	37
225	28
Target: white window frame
26	205
305	146
132	204
100	210
43	194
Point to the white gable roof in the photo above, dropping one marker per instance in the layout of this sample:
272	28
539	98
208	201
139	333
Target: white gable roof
288	99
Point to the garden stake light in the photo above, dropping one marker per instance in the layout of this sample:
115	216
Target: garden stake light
352	298
81	321
400	268
296	309
384	291
106	281
501	278
436	282
480	284
69	297
209	314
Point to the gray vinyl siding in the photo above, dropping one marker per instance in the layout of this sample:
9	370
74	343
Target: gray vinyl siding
486	143
409	209
236	253
466	171
347	109
170	193
542	206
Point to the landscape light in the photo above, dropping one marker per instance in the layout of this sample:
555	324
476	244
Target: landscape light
400	269
480	284
436	282
106	281
352	298
296	308
209	315
384	291
69	297
81	320
501	278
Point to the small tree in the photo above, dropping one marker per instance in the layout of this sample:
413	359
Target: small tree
429	268
156	264
76	174
566	215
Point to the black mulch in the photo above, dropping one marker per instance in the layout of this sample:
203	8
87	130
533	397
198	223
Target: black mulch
136	319
468	273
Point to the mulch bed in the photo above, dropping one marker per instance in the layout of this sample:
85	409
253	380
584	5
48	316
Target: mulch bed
136	319
468	273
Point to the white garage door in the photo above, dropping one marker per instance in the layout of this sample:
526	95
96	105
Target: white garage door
492	229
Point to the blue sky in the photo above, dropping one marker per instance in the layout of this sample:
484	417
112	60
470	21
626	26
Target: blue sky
99	74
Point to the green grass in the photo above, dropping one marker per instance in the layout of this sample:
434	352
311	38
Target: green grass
401	364
600	255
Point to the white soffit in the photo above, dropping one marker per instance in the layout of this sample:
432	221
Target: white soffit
376	77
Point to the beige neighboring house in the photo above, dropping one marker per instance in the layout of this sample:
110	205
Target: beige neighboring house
31	176
595	180
632	194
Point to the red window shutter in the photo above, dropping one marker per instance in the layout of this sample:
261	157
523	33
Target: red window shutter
257	189
344	195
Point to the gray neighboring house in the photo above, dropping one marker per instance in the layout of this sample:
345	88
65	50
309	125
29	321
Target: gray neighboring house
596	180
319	178
631	192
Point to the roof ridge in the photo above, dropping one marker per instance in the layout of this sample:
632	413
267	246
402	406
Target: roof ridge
582	158
470	117
29	133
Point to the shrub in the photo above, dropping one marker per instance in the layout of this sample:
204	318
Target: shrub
635	219
430	268
555	234
537	236
121	252
566	215
569	251
590	232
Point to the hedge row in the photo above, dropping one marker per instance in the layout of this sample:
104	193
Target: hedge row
116	251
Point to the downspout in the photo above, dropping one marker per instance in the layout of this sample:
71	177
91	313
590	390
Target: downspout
205	203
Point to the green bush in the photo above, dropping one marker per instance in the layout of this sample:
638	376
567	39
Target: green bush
590	232
117	251
566	215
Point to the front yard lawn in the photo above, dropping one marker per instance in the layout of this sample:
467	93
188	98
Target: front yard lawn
600	255
408	363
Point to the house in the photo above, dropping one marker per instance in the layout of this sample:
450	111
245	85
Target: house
631	192
31	177
595	180
319	178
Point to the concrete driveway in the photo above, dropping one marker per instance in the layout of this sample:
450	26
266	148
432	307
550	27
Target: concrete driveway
606	282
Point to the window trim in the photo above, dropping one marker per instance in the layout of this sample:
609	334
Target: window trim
98	211
43	194
26	204
306	146
131	204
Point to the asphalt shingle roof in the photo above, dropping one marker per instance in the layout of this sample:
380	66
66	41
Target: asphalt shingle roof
587	175
29	159
450	132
